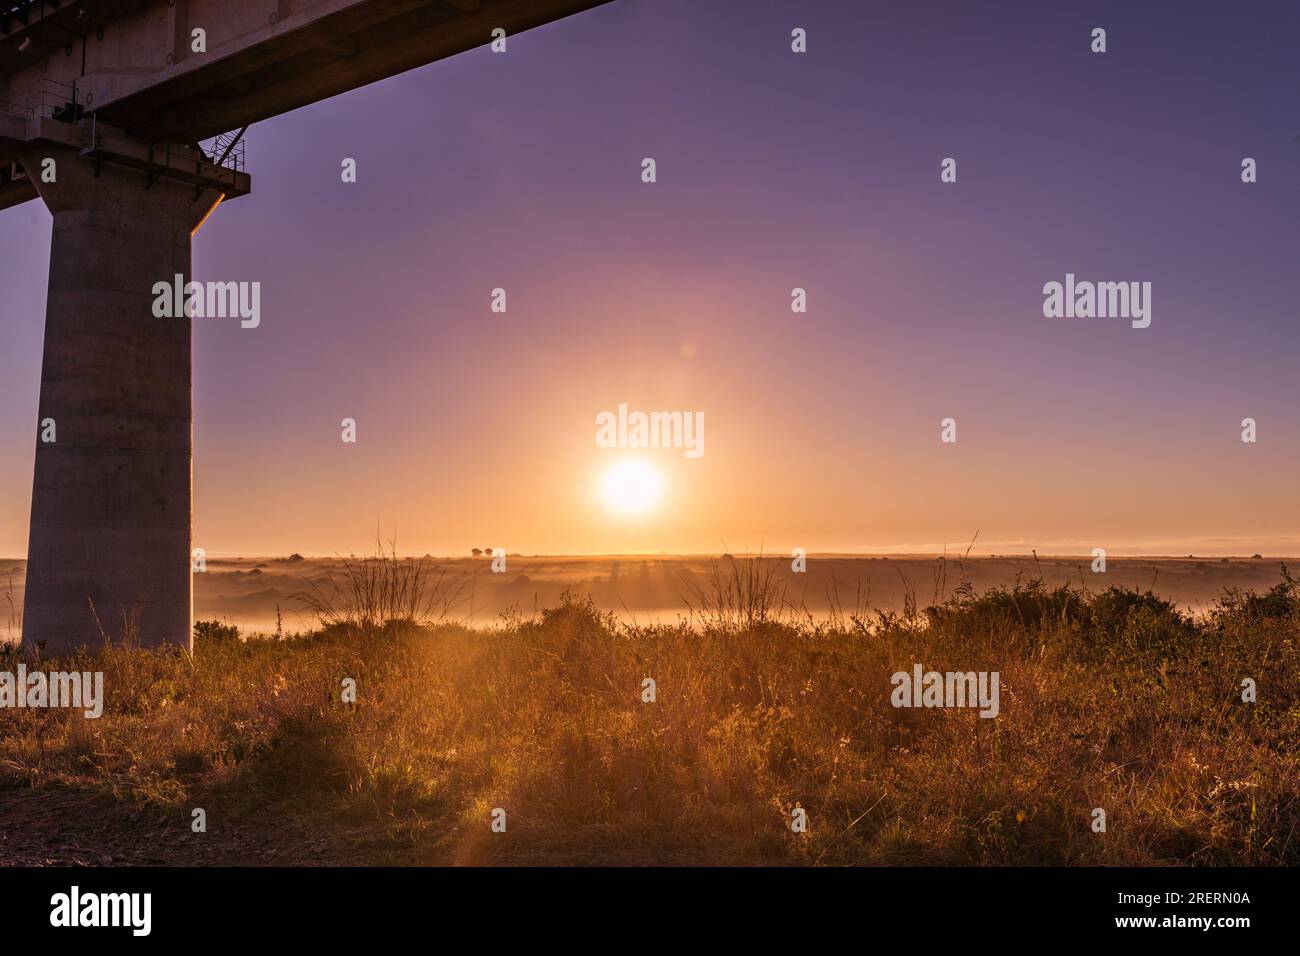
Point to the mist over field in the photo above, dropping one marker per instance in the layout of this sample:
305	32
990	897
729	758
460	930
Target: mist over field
247	591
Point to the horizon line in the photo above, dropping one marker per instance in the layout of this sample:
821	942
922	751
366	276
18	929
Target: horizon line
953	555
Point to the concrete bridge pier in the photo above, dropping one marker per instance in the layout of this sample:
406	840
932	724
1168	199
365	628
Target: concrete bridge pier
118	94
109	550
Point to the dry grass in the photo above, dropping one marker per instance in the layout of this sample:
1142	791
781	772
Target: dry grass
1112	700
381	590
14	622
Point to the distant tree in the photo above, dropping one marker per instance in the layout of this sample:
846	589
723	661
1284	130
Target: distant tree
476	552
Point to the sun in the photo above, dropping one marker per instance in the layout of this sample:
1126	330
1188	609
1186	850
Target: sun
631	487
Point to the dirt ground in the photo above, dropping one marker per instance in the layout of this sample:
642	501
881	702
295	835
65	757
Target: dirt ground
51	827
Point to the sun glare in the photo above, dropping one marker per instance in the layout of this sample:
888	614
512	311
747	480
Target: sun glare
631	487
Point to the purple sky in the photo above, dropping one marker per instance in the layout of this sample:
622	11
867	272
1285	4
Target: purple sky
775	170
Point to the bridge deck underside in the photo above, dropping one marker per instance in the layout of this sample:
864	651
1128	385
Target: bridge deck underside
319	50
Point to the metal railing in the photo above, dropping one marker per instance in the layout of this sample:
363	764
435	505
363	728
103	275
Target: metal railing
60	101
54	100
227	150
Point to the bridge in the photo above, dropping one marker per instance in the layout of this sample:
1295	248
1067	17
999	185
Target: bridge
126	118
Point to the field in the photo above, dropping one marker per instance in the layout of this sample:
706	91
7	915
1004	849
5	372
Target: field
257	594
1114	699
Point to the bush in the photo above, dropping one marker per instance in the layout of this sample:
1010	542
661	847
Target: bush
214	631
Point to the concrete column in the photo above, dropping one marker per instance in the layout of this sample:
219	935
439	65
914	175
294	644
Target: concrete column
109	553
